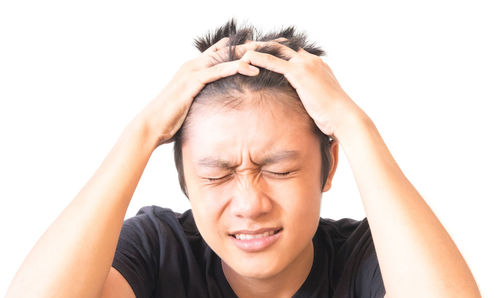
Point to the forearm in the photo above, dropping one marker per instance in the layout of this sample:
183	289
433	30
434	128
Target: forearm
73	257
417	256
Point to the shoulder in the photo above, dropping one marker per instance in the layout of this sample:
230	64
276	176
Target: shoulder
157	213
347	242
155	230
158	245
356	269
158	219
339	233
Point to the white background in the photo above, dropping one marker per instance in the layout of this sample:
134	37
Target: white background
72	75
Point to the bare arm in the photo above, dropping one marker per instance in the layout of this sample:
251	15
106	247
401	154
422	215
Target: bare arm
74	256
417	256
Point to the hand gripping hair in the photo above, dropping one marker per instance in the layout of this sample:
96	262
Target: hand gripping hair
229	92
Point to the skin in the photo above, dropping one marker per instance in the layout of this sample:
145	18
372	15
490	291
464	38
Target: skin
85	234
251	196
417	256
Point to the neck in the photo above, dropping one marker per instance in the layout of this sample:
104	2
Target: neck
283	284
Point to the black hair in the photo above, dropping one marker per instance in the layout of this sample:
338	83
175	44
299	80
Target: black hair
228	91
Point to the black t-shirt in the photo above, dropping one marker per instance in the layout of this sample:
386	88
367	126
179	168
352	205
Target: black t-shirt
161	254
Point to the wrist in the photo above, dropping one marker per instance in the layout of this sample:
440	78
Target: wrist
140	126
349	121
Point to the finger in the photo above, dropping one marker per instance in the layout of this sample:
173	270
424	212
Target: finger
279	39
222	54
284	50
267	61
220	50
226	69
255	45
217	46
223	43
304	52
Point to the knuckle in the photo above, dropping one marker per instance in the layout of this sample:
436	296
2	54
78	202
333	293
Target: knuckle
247	56
241	64
312	63
213	59
197	78
254	46
268	58
240	50
223	40
219	56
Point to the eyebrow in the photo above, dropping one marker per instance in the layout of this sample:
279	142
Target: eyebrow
273	158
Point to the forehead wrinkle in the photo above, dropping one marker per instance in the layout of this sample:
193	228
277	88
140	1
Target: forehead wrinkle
213	162
278	156
273	158
241	101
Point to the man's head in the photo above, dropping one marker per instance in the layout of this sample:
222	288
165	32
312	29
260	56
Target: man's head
249	157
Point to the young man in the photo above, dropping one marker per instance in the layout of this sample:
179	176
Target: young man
253	167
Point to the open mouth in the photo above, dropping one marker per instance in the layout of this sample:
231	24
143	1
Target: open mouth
253	243
255	236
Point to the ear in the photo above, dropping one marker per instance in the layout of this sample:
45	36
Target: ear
334	151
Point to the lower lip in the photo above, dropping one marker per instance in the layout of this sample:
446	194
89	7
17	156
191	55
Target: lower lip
258	244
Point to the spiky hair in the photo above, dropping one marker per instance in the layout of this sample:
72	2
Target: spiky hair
238	36
228	90
266	79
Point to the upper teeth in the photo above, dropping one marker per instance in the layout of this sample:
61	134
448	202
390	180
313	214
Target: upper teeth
247	236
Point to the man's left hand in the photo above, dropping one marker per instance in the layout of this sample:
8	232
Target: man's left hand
322	96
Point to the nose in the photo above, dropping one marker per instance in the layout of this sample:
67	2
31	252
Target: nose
249	200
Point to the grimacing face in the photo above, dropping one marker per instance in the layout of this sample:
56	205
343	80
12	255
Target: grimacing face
242	151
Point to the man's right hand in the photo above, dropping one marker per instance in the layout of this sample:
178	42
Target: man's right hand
166	113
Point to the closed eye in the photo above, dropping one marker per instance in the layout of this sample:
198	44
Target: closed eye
280	174
216	179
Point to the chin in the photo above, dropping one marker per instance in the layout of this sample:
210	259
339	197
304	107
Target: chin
255	268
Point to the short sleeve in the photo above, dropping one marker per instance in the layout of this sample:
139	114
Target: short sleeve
369	283
358	273
136	254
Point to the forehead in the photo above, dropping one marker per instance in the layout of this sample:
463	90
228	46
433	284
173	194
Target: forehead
259	127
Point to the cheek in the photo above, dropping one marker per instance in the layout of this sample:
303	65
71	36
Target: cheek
208	222
209	202
301	208
207	207
303	190
300	200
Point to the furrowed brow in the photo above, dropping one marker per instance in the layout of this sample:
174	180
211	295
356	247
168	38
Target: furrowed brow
279	156
212	162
